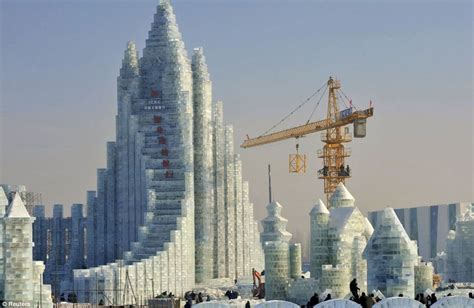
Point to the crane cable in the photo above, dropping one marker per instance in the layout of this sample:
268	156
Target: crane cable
352	105
294	110
317	104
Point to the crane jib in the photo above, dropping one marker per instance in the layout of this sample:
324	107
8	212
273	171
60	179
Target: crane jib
345	117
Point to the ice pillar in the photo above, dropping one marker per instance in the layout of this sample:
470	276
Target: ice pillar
203	167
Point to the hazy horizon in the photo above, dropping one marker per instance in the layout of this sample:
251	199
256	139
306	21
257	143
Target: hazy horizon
60	61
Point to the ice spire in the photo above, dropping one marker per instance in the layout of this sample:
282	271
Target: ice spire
17	208
341	197
130	61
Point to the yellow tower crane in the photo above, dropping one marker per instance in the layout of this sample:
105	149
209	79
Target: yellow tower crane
334	135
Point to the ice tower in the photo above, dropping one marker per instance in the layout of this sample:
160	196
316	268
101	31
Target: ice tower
275	241
391	258
21	277
171	208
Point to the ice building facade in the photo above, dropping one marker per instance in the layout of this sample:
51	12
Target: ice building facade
338	238
171	208
59	243
428	225
391	258
459	257
20	277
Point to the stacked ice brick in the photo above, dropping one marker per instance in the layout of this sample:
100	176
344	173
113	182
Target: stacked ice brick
338	237
460	250
181	212
391	258
20	276
275	241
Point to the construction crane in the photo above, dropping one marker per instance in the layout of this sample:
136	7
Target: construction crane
334	135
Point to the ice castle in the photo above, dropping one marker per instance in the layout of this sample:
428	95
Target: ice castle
171	208
338	238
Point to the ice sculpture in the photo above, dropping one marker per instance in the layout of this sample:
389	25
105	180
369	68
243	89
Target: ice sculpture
399	302
183	208
338	238
391	258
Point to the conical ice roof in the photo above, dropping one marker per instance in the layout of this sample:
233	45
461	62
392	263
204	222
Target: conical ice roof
319	208
341	197
17	209
391	229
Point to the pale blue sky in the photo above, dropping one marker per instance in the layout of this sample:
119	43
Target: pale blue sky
60	60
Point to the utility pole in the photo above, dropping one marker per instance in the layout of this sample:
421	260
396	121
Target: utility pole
269	184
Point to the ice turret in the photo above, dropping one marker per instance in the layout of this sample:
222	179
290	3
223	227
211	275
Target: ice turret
319	219
391	258
203	167
275	241
18	245
341	197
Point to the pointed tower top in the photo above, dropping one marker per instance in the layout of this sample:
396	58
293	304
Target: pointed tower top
390	230
390	219
130	61
319	208
274	225
17	209
341	197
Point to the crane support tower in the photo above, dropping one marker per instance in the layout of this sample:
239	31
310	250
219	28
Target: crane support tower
335	134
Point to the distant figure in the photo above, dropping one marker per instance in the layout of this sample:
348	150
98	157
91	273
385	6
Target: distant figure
422	298
363	300
208	298
434	299
328	297
370	300
471	295
188	304
101	302
199	298
314	300
354	289
193	295
247	304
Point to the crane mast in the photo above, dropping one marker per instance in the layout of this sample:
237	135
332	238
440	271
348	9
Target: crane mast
335	134
334	170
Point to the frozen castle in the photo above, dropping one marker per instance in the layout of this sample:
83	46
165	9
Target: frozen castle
344	246
171	208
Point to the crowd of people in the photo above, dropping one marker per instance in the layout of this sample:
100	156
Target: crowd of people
368	301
